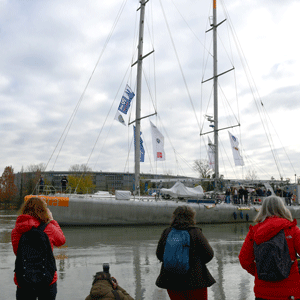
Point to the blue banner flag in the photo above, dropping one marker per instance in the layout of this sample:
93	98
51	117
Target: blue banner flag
126	100
142	150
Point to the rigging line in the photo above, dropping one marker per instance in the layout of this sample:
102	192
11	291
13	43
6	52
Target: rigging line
253	90
203	45
171	141
228	102
106	120
89	80
179	64
149	90
253	163
280	141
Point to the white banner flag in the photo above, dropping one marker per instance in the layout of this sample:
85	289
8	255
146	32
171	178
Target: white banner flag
238	160
211	154
120	118
158	143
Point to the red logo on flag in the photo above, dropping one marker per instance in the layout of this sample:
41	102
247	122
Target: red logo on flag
159	154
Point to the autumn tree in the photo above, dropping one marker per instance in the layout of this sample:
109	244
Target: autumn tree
81	184
8	189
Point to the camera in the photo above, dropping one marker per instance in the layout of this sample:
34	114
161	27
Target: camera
106	267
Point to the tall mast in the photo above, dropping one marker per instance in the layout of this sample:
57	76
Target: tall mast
215	76
138	97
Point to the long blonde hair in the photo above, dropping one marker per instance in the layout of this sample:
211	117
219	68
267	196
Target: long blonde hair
36	208
273	206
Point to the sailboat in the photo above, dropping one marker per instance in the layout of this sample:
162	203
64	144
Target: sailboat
124	209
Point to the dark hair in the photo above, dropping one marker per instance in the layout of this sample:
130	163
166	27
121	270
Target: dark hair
36	208
102	276
183	216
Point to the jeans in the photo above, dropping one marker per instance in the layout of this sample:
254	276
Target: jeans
48	293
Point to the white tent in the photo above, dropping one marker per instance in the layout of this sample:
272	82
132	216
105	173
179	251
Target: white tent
179	190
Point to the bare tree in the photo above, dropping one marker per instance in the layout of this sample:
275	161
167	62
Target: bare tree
80	168
35	168
202	167
251	175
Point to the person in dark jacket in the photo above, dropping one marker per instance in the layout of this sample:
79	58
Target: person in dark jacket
106	287
194	284
34	212
273	217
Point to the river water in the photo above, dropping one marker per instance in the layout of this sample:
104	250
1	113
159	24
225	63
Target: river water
130	251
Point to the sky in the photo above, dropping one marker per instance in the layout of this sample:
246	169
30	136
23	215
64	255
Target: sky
66	62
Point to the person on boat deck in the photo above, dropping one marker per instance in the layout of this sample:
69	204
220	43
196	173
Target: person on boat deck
235	196
269	193
193	285
64	181
227	194
272	218
41	185
245	192
241	194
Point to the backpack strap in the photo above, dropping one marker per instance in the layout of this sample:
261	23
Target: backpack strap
117	296
42	226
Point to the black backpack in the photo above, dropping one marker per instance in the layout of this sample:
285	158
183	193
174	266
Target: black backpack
273	261
35	264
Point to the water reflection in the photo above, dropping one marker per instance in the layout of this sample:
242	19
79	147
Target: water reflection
131	254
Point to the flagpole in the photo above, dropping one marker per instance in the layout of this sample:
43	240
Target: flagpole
138	98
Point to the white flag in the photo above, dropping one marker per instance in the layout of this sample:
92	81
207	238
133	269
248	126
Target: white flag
238	160
120	118
211	154
158	143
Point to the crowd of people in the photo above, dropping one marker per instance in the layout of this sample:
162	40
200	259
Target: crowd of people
244	195
185	276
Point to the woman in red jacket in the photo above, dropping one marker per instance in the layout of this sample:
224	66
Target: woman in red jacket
272	218
33	213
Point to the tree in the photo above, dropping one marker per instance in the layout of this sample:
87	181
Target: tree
202	167
251	175
8	189
36	168
80	168
81	184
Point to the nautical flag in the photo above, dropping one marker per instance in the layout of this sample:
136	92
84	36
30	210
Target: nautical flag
211	154
142	150
124	105
238	160
120	118
126	100
158	143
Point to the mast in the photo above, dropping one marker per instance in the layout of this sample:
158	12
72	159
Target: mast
138	97
215	77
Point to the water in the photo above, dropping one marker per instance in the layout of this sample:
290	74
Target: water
130	251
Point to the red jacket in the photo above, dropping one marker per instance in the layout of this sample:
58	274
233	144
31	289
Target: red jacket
263	232
25	222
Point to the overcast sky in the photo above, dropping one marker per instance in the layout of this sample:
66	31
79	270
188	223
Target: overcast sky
49	50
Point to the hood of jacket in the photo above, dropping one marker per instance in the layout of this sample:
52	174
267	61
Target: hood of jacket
25	222
270	227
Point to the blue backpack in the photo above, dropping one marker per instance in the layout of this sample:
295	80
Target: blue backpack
273	261
176	256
